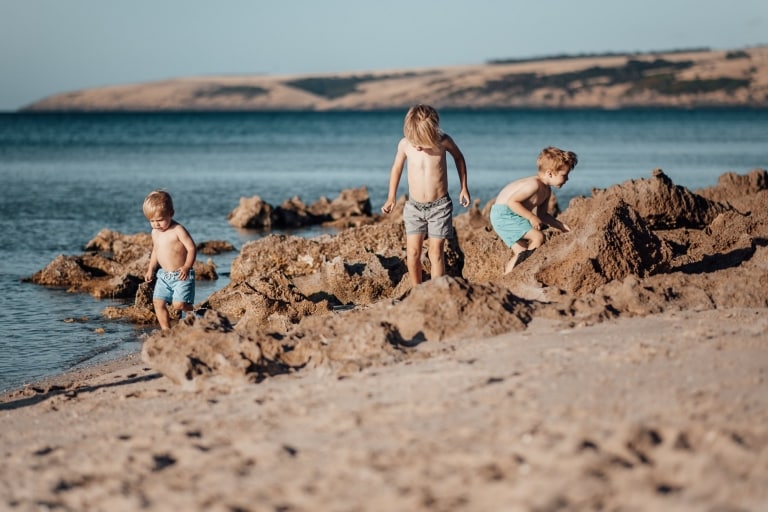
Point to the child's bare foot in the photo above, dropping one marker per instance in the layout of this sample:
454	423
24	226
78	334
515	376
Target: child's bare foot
511	264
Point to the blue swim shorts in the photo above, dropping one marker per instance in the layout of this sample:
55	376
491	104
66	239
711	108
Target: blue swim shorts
508	225
434	219
170	288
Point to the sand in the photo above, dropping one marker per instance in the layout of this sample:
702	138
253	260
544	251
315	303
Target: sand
664	412
621	366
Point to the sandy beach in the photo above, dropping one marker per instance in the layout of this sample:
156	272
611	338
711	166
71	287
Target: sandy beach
621	366
666	412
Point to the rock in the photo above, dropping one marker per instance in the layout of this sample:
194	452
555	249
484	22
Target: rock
351	206
251	213
661	203
214	247
209	352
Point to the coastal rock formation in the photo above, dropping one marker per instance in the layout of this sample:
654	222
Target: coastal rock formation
286	292
343	301
212	352
113	267
351	207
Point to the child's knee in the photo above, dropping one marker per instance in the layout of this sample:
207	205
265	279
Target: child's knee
413	253
535	238
437	247
181	306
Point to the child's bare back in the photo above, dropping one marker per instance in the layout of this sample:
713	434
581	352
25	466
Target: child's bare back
530	192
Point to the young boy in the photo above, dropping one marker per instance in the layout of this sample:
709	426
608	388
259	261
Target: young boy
173	250
429	209
512	214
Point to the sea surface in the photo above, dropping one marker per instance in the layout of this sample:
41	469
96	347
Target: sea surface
64	177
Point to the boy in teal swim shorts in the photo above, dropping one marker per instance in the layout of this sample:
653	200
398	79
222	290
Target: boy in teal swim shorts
512	214
174	252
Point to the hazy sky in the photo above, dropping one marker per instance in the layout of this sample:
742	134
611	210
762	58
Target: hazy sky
53	46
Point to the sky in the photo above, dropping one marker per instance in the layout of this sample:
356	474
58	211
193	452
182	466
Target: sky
53	46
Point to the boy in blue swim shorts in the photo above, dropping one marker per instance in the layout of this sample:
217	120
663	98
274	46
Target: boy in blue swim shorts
174	252
519	212
429	210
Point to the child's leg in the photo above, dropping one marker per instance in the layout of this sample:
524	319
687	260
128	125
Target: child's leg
413	245
161	311
181	306
530	241
437	257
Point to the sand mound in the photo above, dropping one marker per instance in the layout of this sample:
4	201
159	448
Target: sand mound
211	351
344	301
638	248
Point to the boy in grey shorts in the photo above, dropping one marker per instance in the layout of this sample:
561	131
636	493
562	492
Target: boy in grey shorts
429	211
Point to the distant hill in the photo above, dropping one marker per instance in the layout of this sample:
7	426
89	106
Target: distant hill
687	79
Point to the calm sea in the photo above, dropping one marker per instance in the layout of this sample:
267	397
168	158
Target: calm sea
65	177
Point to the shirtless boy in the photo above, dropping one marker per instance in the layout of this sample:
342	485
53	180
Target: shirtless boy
428	213
174	252
519	212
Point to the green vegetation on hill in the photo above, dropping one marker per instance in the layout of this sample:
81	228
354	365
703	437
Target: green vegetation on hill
243	91
525	83
336	87
669	85
565	56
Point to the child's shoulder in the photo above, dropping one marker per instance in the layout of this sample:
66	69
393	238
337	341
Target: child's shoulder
177	226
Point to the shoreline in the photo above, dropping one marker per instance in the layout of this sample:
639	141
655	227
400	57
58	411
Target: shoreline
666	411
59	382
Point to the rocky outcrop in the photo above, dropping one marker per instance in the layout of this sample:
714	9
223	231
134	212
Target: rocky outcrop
341	302
113	266
351	207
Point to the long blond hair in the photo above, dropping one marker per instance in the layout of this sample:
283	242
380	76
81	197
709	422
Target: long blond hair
422	126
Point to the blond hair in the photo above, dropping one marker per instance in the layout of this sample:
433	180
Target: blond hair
556	160
158	202
422	126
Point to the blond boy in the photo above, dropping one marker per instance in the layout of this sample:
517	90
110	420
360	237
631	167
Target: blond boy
428	213
519	211
173	255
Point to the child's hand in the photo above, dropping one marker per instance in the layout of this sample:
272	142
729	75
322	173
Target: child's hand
464	198
566	228
388	206
536	223
149	276
183	274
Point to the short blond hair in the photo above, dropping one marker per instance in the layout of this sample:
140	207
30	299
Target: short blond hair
556	160
158	202
422	126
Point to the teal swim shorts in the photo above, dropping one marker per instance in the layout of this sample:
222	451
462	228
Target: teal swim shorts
508	225
170	288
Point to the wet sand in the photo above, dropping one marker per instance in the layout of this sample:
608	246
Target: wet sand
664	412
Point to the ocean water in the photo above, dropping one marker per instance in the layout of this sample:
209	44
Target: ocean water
64	177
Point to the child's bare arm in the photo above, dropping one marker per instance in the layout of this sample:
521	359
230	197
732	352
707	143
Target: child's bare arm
520	197
461	168
394	177
150	275
189	245
549	220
